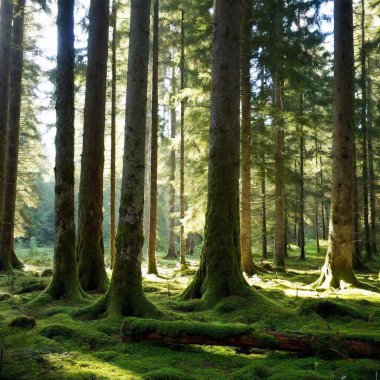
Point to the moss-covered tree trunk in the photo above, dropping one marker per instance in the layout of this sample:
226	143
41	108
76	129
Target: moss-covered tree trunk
246	138
337	269
357	242
220	274
90	246
152	263
363	122
323	201
302	185
173	121
125	295
264	253
371	160
182	248
279	254
65	281
13	133
6	15
113	136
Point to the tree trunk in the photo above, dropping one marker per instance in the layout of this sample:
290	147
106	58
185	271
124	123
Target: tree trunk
90	246
357	243
363	80
264	252
152	264
245	213
338	269
173	121
13	133
65	281
6	15
125	295
220	274
323	203
372	182
113	135
263	212
279	254
302	187
182	249
316	197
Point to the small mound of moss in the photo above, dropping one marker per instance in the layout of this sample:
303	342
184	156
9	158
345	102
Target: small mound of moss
47	272
232	303
330	309
32	288
23	322
90	337
5	296
166	373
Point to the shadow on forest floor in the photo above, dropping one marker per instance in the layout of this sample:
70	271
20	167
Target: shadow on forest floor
59	347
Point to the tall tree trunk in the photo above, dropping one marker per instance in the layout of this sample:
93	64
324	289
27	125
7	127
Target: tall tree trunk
113	134
363	80
125	295
357	243
6	15
245	87
264	253
152	264
372	183
13	133
173	121
182	249
220	274
263	212
337	269
302	187
90	246
316	197
65	281
323	202
279	254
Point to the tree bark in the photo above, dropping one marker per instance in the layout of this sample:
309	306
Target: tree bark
247	264
220	273
152	263
13	133
323	202
279	254
372	181
182	249
363	80
125	295
6	16
113	135
173	121
263	212
65	281
302	187
90	245
338	268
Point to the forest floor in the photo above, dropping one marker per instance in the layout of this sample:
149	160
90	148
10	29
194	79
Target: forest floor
62	347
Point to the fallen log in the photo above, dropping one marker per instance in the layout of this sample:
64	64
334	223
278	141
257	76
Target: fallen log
245	337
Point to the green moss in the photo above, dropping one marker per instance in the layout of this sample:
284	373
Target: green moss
23	322
330	309
267	341
132	326
166	374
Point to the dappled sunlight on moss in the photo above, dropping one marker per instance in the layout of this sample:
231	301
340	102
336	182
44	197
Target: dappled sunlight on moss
63	346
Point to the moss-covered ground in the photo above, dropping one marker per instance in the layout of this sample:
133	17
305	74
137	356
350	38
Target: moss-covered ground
60	346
